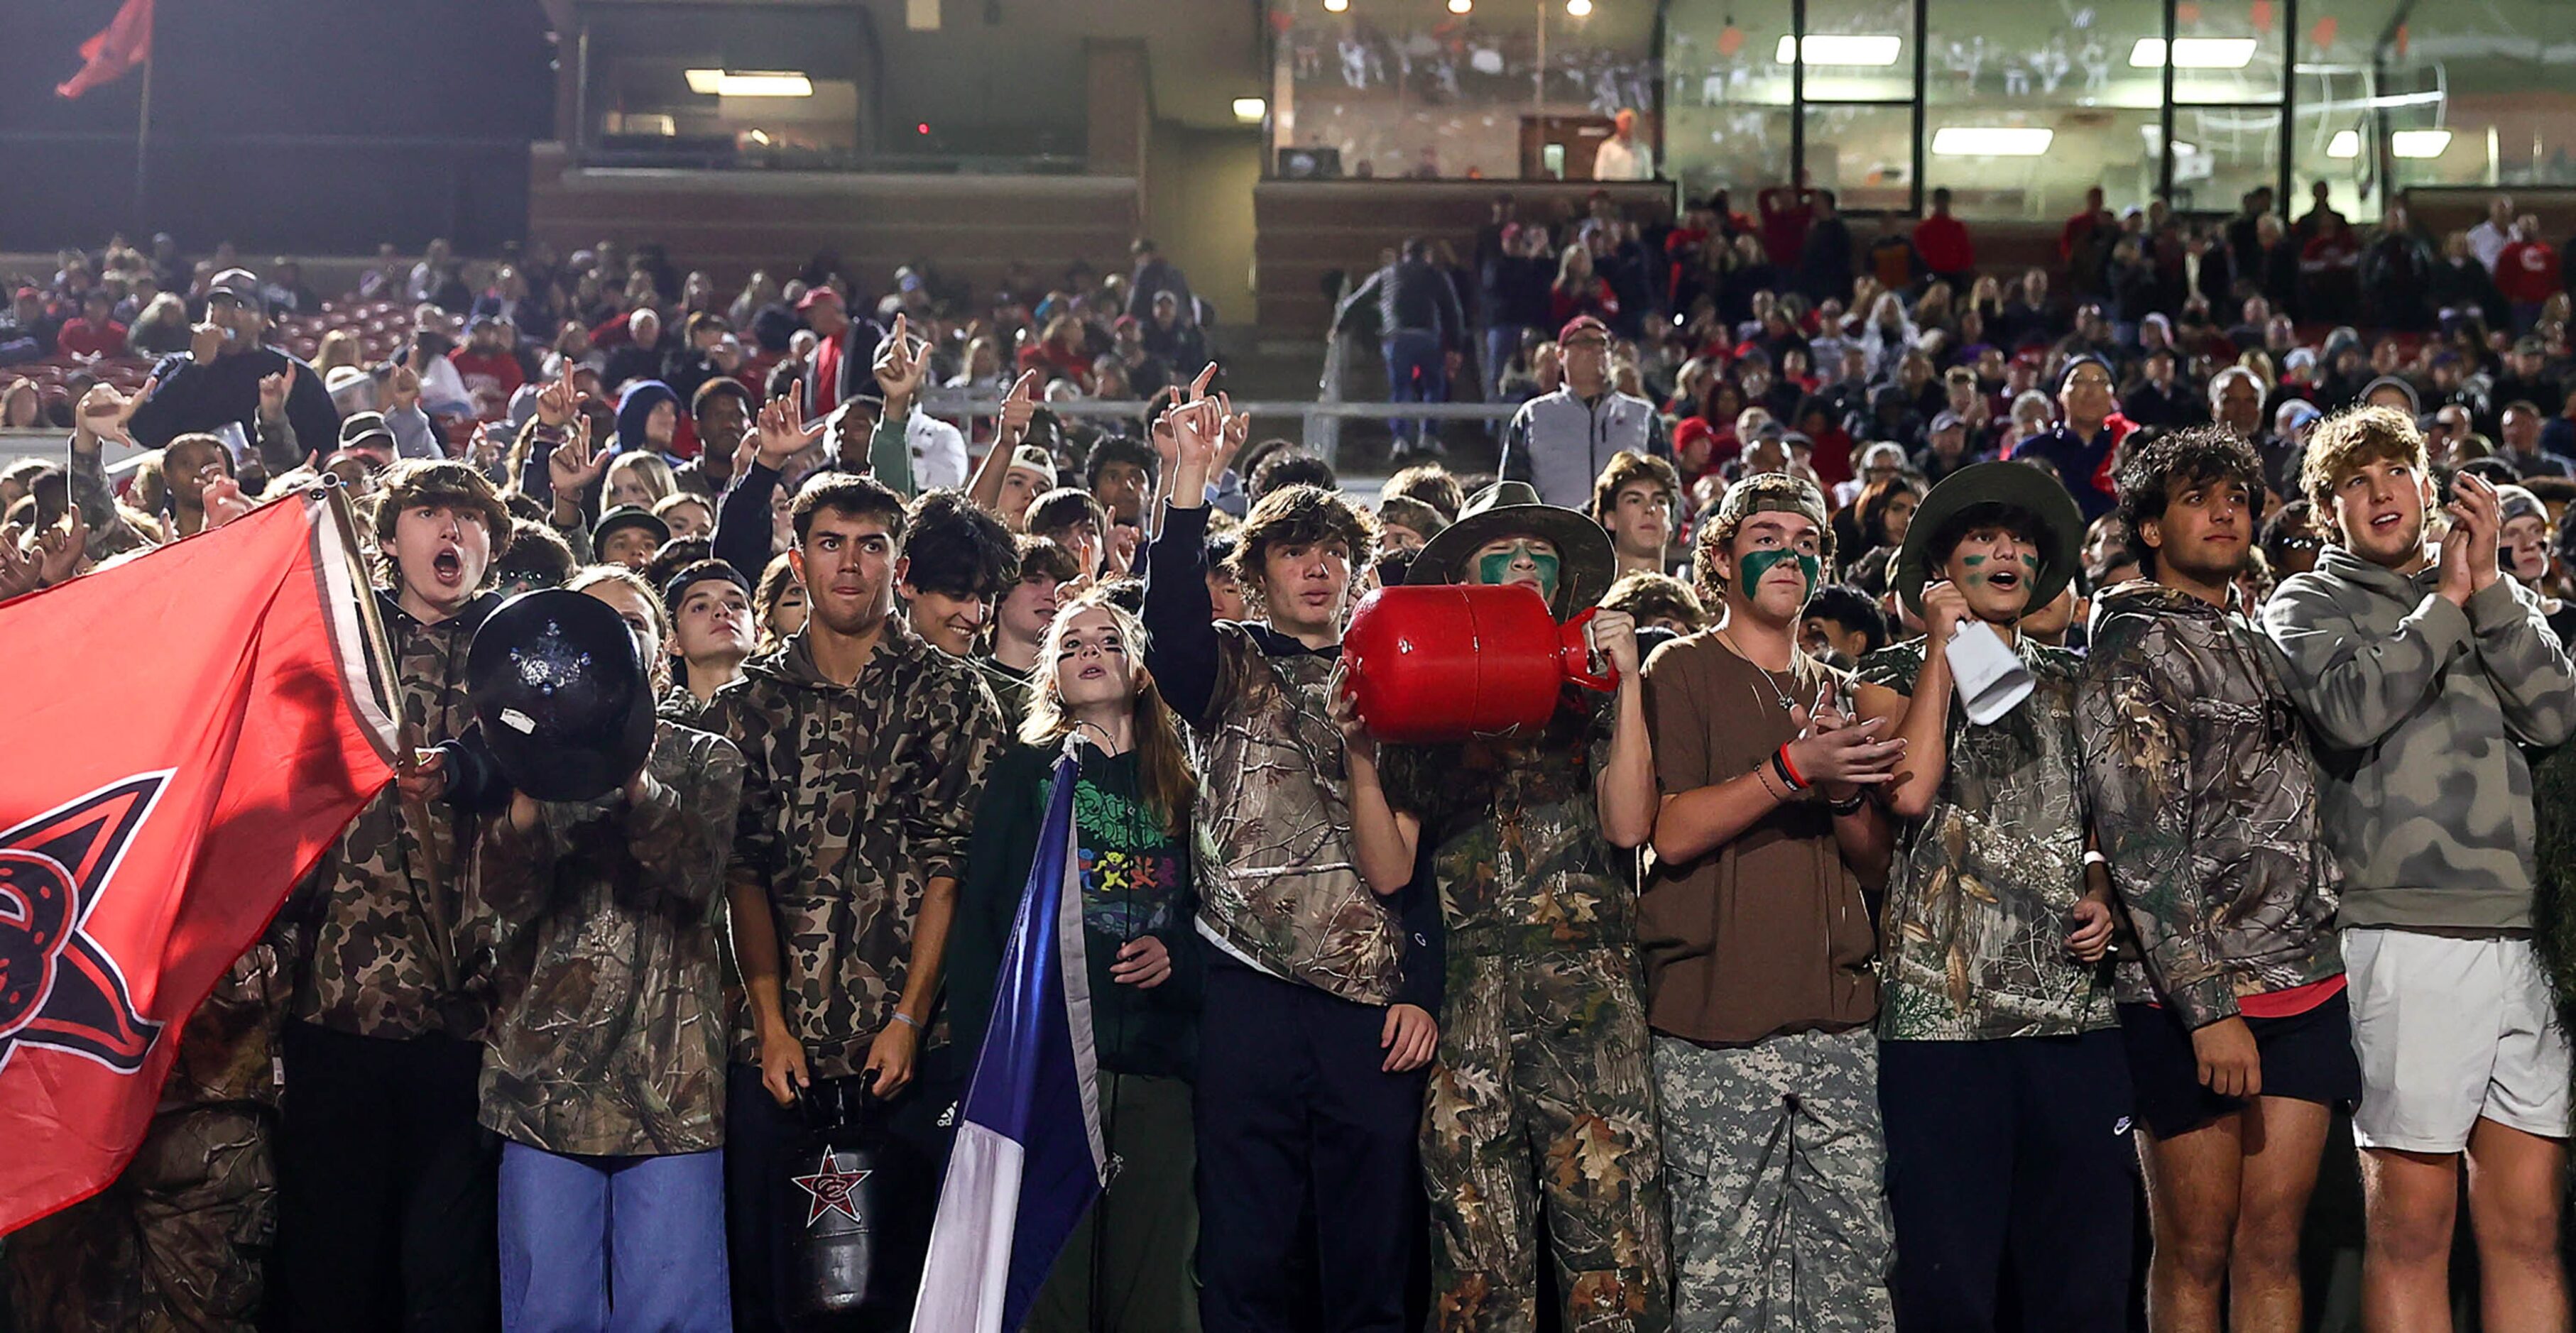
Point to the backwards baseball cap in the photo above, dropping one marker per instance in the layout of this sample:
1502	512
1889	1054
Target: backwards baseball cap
1947	421
240	284
1034	458
367	430
2294	414
818	296
1581	324
698	572
629	516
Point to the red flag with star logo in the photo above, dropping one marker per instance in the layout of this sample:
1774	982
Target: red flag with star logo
188	732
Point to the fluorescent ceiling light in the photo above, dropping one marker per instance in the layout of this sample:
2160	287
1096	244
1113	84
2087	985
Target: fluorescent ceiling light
1581	9
2345	143
749	83
1249	108
1461	6
1336	6
1990	141
2194	53
2419	143
1828	49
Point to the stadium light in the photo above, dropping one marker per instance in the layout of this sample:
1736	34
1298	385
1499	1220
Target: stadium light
1336	6
1461	6
749	83
2193	53
1581	9
1249	109
1990	141
2419	143
1829	49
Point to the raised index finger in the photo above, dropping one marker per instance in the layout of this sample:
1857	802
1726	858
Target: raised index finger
1198	387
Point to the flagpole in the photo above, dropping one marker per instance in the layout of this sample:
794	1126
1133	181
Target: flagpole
142	147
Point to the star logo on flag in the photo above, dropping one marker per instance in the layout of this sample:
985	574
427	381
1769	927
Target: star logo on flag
831	1188
60	985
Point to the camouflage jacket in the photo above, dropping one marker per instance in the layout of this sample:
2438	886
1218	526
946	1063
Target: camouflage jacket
1284	890
854	798
682	705
1516	840
2422	709
1979	896
400	949
2204	799
609	1039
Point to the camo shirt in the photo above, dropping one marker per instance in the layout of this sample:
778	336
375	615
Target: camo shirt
1516	841
1981	890
610	1039
2204	799
854	798
400	949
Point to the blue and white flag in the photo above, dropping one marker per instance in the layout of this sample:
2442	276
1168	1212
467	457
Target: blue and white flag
1028	1158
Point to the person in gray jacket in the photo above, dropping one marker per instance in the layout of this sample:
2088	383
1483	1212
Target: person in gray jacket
1559	442
2424	673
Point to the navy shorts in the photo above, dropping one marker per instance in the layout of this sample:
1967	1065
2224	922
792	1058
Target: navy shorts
2307	1057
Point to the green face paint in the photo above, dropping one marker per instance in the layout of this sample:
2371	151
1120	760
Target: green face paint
1755	564
1495	566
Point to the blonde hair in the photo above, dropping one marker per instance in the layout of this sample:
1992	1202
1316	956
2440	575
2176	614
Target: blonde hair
1169	788
659	480
2352	439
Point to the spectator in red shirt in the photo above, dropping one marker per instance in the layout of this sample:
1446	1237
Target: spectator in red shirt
2527	271
1786	212
94	332
489	366
1942	241
2079	228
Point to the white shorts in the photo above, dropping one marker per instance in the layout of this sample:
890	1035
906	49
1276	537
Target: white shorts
2449	1031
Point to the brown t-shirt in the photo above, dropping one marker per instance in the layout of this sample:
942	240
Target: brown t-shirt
1769	933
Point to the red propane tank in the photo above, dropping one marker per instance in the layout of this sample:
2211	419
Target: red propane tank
1430	663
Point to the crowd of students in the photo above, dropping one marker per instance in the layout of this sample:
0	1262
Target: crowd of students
1786	985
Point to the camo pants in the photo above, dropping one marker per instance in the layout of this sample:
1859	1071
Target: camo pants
1773	1157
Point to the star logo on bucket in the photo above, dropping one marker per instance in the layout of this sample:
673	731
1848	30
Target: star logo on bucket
831	1188
61	986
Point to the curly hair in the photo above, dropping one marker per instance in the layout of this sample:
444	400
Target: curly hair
1298	516
954	547
1765	491
2352	439
2200	455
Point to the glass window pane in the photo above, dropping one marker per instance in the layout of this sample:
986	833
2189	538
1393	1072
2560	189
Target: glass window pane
1864	154
1726	95
2224	51
1858	50
2494	75
2222	152
2018	55
1406	88
2332	104
2034	165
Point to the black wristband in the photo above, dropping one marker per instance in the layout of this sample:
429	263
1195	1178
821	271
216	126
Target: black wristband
1780	765
1850	807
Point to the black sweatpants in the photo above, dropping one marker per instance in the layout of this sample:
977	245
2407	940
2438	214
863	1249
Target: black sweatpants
1306	1148
2015	1148
762	1140
388	1187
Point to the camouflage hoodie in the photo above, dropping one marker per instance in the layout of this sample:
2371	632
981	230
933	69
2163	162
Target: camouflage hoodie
2205	802
610	1036
2422	709
854	798
400	949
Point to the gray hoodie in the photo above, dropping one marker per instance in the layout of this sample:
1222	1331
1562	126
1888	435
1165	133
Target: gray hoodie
2421	709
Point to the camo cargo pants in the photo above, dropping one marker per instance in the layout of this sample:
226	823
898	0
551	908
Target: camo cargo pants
1541	1100
1773	1156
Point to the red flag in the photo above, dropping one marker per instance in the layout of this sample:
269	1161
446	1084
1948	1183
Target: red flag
188	733
124	43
